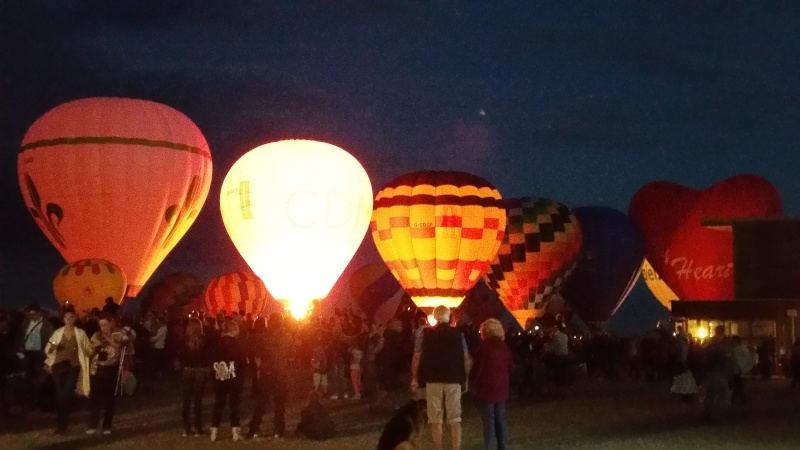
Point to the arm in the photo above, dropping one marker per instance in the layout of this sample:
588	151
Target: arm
161	333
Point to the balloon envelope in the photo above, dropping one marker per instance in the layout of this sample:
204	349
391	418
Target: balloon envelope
371	286
234	292
695	261
437	233
115	178
177	289
87	283
539	251
297	211
657	286
611	256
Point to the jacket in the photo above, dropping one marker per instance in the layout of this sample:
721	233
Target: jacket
492	370
84	354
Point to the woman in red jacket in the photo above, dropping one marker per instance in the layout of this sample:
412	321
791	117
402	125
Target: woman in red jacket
492	372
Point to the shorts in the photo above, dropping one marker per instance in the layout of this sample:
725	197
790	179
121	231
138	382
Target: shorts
320	379
443	399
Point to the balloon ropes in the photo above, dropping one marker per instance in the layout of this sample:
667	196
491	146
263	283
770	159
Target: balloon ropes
437	233
116	179
611	256
87	283
241	292
539	251
297	211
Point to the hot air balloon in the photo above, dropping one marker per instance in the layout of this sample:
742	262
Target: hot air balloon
697	262
437	233
611	255
87	283
657	286
241	292
175	290
372	285
116	179
297	211
539	251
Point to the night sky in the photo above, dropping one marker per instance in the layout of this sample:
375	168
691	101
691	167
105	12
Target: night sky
582	102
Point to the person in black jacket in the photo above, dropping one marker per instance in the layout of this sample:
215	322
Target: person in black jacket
192	358
315	422
272	363
442	363
227	362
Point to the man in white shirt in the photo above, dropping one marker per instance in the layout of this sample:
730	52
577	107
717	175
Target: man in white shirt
157	343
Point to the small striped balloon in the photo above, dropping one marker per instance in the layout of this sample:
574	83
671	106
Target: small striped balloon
236	292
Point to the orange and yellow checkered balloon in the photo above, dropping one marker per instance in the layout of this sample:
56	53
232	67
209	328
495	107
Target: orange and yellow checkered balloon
437	233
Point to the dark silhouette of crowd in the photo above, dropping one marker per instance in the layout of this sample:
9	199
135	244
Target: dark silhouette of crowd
345	357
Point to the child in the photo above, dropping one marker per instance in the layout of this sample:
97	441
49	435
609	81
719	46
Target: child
315	422
319	364
356	354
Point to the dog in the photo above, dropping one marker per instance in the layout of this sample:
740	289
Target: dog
405	428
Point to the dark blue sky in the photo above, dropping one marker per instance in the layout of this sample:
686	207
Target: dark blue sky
582	102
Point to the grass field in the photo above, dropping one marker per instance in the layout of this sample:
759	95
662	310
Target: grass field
591	415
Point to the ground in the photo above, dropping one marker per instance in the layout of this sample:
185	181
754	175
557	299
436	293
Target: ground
591	414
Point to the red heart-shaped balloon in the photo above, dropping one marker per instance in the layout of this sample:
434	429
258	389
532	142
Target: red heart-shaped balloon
697	262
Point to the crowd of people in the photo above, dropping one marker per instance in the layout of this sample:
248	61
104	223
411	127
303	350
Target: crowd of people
49	360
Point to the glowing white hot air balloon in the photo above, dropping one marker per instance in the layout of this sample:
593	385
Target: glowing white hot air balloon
297	211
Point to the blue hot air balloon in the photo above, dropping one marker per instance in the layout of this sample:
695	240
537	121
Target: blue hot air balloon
608	267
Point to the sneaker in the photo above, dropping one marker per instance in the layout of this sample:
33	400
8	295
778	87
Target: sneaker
346	396
357	397
214	432
106	432
237	434
91	431
199	432
334	397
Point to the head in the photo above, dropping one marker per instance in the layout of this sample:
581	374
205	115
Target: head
736	340
719	330
492	328
441	314
105	323
110	301
230	328
260	324
34	312
69	315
